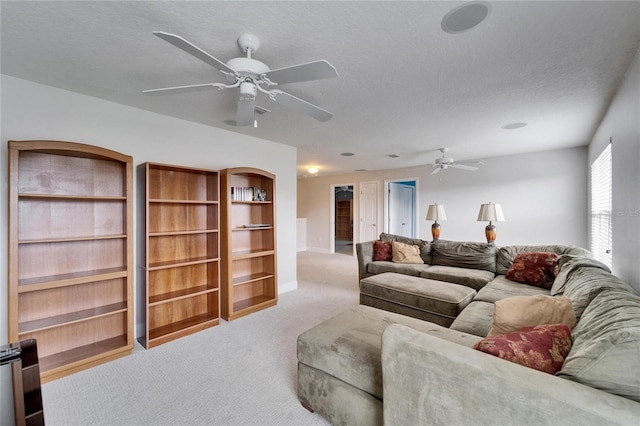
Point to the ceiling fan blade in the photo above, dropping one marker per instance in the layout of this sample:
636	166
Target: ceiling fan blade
183	89
317	70
298	104
245	112
469	162
194	50
463	167
437	170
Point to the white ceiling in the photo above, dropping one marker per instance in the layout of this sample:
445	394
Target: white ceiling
405	86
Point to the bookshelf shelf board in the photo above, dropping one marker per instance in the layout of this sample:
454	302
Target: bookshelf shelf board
61	359
54	197
180	294
246	254
246	279
205	202
171	233
63	280
73	239
71	317
256	303
181	262
180	326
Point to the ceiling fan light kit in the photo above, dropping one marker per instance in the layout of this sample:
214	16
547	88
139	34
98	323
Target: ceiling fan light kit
252	77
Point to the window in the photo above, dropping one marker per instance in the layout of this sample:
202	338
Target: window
601	207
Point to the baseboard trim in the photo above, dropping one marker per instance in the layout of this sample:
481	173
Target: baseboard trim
290	286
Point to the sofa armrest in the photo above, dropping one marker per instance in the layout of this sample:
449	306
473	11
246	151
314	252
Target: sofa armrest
428	380
364	251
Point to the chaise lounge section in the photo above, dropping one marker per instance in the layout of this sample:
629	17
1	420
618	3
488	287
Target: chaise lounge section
430	373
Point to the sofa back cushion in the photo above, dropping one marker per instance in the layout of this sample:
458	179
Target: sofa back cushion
606	345
464	255
582	279
507	254
425	246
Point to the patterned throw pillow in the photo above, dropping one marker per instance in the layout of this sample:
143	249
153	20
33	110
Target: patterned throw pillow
381	250
543	347
537	268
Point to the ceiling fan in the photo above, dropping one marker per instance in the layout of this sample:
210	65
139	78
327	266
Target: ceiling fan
445	162
252	77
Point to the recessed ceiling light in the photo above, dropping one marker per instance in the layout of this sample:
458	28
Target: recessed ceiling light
393	156
465	17
512	126
313	170
347	154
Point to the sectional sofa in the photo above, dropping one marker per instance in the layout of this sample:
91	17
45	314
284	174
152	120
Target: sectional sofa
413	341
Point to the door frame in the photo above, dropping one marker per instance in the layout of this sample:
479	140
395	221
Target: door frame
416	203
332	214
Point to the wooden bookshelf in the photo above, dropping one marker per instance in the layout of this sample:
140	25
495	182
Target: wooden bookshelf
182	252
70	253
344	220
249	278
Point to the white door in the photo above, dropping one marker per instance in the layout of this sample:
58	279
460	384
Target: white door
401	209
368	211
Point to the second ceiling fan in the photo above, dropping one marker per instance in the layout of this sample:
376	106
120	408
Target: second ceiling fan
252	77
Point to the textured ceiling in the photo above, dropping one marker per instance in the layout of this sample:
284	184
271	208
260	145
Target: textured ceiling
405	86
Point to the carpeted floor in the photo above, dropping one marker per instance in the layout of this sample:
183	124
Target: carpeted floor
237	373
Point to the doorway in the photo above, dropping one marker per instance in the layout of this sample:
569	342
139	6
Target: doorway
401	208
343	219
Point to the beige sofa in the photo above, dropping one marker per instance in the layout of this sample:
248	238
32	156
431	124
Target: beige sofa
429	374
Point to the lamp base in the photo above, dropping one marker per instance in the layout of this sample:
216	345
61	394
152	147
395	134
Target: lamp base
490	233
435	230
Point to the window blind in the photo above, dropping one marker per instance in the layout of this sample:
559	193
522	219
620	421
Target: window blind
601	209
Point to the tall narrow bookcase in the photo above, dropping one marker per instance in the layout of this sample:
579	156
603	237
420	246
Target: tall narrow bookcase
70	253
182	252
249	242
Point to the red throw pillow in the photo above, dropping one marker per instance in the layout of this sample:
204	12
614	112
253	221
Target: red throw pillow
382	250
536	268
543	347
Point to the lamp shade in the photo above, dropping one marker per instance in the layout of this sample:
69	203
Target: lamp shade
436	212
491	212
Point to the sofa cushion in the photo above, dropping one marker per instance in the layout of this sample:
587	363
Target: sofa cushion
425	246
582	279
348	346
517	312
381	251
535	268
474	319
464	255
401	268
606	345
567	265
543	347
474	278
405	253
505	255
501	288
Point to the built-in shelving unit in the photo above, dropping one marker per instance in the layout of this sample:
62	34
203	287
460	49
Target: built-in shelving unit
70	253
249	242
182	252
344	220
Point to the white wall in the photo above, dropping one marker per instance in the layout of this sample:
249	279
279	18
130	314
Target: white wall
33	111
622	125
543	195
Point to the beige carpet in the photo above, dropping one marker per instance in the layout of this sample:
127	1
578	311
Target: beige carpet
237	373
